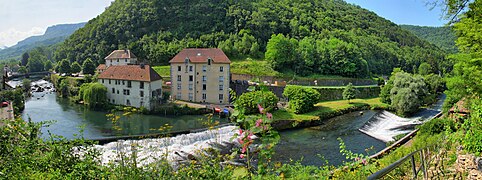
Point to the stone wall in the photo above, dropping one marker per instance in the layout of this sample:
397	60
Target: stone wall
306	82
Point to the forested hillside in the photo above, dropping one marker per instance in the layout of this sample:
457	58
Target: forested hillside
53	35
443	37
303	37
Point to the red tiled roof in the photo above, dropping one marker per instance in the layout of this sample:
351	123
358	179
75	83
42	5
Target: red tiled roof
130	72
101	67
121	54
201	55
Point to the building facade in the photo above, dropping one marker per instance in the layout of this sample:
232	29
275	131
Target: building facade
120	57
201	75
132	85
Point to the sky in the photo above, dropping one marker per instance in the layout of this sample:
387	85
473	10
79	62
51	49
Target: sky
24	18
20	19
413	12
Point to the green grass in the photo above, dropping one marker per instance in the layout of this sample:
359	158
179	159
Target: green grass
326	106
253	67
337	87
164	71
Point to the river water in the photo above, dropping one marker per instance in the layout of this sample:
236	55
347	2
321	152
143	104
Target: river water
70	118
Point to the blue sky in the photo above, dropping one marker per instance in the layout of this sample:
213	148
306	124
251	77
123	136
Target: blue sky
414	12
23	18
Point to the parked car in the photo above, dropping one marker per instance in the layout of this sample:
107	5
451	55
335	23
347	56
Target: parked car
5	104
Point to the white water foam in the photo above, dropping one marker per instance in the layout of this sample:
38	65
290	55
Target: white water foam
385	126
151	150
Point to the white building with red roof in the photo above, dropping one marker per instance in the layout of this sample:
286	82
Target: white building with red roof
131	84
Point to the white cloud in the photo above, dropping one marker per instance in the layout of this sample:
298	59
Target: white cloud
11	36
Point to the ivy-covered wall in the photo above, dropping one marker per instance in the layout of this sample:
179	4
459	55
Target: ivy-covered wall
329	94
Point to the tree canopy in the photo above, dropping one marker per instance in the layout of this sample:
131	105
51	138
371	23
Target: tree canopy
322	37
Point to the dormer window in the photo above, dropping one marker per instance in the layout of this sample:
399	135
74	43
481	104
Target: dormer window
209	61
186	60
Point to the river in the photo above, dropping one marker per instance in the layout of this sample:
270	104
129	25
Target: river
69	119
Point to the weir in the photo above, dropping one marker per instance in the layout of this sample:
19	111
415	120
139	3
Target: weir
171	148
385	125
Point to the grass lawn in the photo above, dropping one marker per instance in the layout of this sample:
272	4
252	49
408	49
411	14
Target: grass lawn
339	87
326	106
164	71
253	67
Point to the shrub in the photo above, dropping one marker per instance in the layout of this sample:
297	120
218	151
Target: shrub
473	138
436	126
249	101
349	92
301	99
94	95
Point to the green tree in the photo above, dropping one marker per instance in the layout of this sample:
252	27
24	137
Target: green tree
349	92
64	67
26	85
301	99
249	101
75	67
424	69
23	70
24	59
36	61
88	67
280	52
94	95
408	93
48	65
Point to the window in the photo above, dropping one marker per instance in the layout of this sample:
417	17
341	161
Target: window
129	84
178	95
128	102
179	78
178	68
123	82
221	78
117	91
209	61
125	60
190	68
113	90
113	101
221	87
191	78
186	68
142	93
221	97
204	87
109	81
117	60
204	96
221	69
141	85
190	86
142	103
190	97
102	81
178	86
205	68
205	78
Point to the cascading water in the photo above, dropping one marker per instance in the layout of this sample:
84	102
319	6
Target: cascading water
171	148
385	126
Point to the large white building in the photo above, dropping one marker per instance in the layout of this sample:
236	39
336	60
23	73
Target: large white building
132	85
129	83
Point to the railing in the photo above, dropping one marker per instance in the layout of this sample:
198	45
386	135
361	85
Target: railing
425	156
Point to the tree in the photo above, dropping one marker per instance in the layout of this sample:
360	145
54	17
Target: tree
23	70
249	101
48	65
280	52
94	95
75	67
36	61
26	85
424	69
25	57
64	67
349	92
301	99
88	67
408	93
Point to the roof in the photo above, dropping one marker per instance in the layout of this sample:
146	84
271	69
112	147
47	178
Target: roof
121	54
201	55
101	66
130	72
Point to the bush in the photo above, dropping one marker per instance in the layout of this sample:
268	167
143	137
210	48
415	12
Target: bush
94	95
473	125
301	99
436	126
249	101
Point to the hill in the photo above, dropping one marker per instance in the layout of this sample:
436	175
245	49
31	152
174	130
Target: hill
329	37
443	37
53	34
